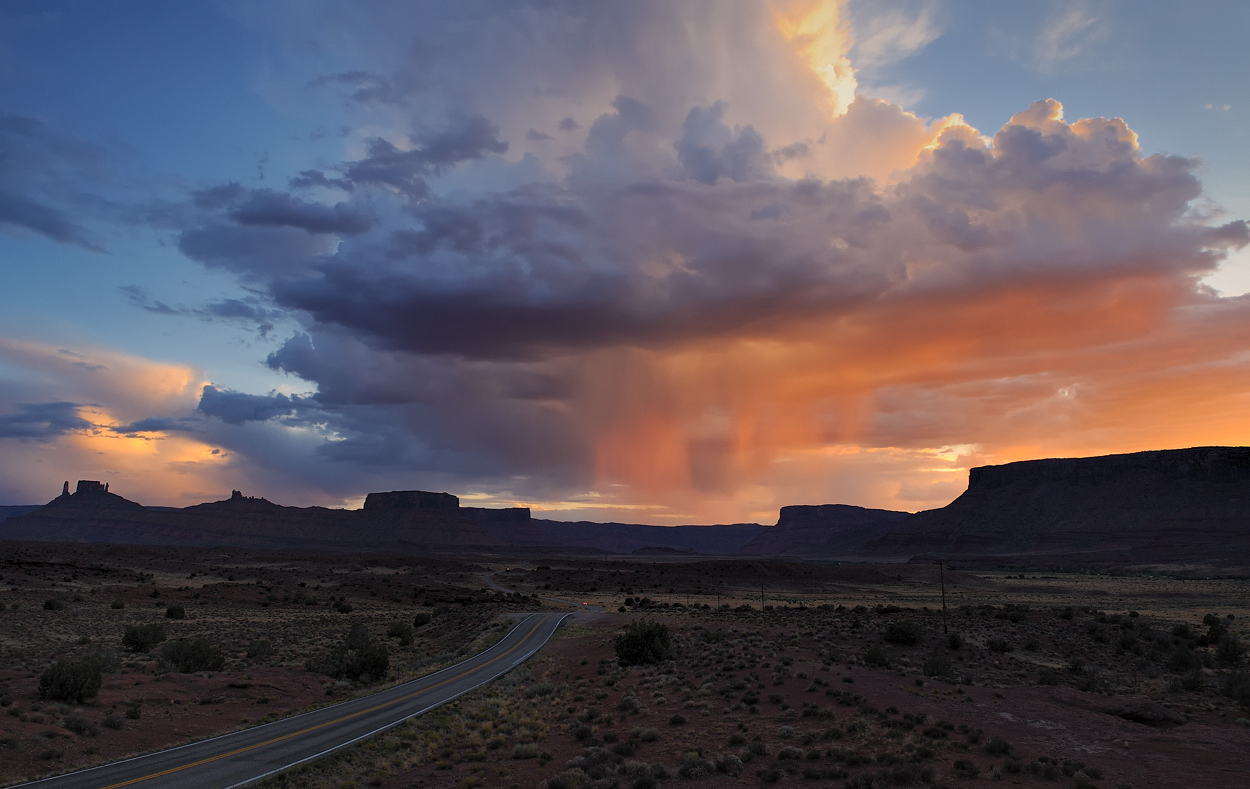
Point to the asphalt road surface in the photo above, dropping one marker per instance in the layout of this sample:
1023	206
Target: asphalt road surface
243	756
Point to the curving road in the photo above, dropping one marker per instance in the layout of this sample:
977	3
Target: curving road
243	756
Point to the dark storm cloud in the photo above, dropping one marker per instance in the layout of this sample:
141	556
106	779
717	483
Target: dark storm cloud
154	424
273	209
42	421
235	408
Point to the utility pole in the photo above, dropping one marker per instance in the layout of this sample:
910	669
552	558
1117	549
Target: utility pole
942	577
761	595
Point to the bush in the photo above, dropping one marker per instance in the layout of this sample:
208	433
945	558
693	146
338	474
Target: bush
907	633
134	712
55	604
677	720
72	680
187	657
997	746
259	649
111	722
954	641
1230	649
80	726
964	768
421	620
876	656
999	645
117	605
359	657
402	631
175	612
524	750
644	643
141	638
937	666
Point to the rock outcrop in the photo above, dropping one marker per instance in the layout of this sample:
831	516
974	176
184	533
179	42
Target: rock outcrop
1167	505
824	530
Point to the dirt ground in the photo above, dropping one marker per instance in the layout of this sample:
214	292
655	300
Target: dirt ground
841	675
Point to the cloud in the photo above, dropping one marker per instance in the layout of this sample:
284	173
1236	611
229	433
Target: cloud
42	421
42	169
407	170
1071	32
886	37
235	408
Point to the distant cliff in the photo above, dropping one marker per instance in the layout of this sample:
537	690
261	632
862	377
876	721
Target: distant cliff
398	521
824	530
1167	505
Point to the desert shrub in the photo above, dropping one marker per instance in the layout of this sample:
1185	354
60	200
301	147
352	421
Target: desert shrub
1183	660
359	657
964	768
117	605
421	620
999	645
1230	649
187	657
55	604
954	641
997	746
72	680
524	750
907	633
175	612
644	643
111	722
141	638
648	734
937	666
876	656
358	636
677	720
80	726
401	631
134	712
259	649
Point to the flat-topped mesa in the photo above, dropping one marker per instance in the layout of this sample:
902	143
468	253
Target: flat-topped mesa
1197	464
411	500
89	487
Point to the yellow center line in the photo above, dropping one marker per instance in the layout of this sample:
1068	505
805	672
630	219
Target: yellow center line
327	723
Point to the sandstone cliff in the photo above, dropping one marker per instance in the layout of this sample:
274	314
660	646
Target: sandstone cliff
1168	505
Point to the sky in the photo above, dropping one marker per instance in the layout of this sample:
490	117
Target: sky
655	262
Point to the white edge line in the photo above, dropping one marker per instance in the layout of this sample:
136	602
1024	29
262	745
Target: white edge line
240	732
406	718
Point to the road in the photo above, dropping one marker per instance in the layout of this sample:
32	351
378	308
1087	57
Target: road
237	758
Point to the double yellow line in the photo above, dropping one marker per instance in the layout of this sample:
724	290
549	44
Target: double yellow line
384	704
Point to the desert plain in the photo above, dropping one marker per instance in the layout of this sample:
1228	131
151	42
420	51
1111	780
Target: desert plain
780	672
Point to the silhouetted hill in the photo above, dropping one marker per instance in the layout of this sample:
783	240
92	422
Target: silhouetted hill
1159	506
823	530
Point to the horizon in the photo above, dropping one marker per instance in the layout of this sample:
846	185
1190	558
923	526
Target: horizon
648	262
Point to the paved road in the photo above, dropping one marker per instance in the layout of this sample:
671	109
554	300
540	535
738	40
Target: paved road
237	758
